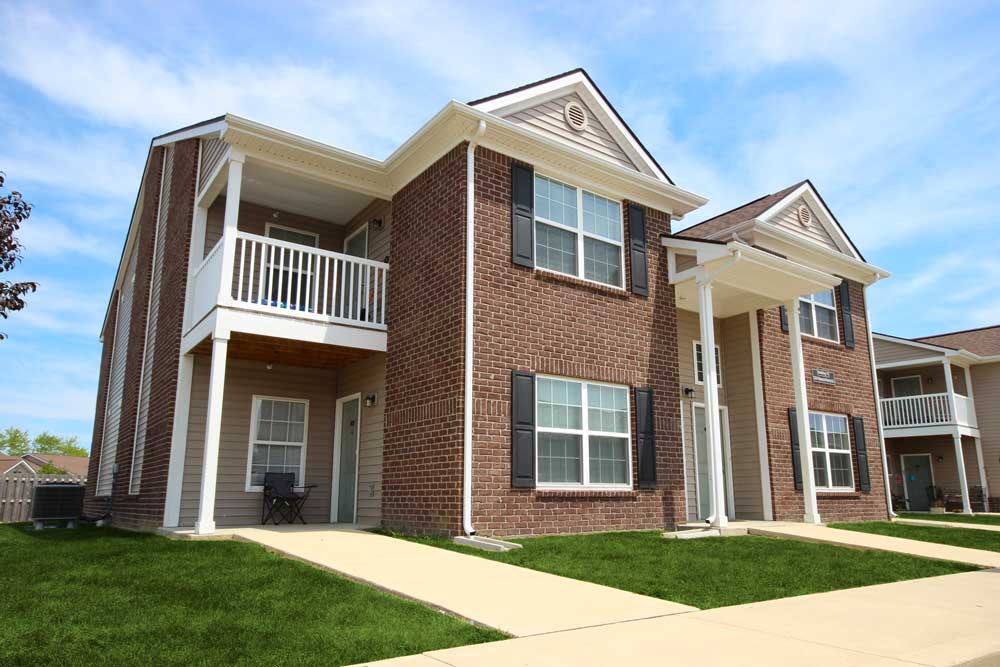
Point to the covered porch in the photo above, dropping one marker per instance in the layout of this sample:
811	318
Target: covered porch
725	284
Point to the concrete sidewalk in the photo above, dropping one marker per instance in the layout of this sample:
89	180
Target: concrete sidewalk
858	540
946	524
512	599
939	621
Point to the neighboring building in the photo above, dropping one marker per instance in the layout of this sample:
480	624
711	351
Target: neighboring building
492	330
31	464
939	397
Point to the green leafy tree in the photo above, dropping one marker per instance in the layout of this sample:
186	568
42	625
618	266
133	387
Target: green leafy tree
13	212
47	443
14	442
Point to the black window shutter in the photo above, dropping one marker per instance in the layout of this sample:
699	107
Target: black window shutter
845	313
637	249
784	318
862	449
645	438
522	423
793	426
523	214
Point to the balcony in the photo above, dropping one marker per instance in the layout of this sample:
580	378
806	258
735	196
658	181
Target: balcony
927	410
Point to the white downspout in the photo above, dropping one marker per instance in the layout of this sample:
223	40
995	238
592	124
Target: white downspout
470	246
878	407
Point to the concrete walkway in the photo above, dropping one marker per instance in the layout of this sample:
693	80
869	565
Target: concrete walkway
939	621
946	524
516	600
857	540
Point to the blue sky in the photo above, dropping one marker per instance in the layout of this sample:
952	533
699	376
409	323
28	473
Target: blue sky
891	108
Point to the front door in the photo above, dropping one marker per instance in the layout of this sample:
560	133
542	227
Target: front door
346	463
703	462
917	477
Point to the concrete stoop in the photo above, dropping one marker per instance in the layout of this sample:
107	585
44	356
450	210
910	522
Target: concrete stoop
693	532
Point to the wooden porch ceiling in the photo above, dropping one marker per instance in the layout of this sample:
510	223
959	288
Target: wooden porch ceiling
286	351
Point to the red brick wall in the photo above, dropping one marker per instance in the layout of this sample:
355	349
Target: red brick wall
145	510
90	506
533	321
852	395
422	460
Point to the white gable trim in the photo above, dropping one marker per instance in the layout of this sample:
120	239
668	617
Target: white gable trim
825	217
18	464
577	82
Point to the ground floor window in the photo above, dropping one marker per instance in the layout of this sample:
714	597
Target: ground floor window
831	451
583	433
277	439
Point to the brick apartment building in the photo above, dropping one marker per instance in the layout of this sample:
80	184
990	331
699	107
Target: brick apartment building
495	330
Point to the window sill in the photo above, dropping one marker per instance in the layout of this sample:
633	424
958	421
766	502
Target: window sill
823	342
831	493
584	492
545	275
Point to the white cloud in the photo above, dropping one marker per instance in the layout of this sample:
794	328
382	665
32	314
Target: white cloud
48	238
59	306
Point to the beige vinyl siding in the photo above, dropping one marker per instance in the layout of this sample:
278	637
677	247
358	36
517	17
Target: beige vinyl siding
939	447
931	379
212	152
788	219
986	392
116	383
233	504
737	360
685	262
549	120
378	237
254	219
891	351
688	331
368	377
152	319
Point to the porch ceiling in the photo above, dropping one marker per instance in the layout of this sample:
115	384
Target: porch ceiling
285	351
270	186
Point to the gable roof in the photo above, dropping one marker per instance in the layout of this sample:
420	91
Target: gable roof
766	206
984	341
581	80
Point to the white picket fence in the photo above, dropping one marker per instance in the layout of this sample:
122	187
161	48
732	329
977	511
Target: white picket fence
17	490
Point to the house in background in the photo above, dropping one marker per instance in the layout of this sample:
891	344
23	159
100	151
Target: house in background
495	330
31	464
939	397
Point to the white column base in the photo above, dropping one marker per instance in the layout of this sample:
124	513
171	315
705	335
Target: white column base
204	527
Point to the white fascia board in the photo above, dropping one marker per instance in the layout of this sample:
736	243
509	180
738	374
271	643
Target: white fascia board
825	216
906	363
211	130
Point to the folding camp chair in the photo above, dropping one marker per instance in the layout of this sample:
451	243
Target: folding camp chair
281	500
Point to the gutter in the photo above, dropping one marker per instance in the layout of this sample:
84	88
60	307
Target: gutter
470	247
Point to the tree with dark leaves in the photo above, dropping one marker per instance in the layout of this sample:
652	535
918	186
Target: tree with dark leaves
13	212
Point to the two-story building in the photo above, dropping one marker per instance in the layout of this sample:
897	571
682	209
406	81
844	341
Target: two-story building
938	399
495	330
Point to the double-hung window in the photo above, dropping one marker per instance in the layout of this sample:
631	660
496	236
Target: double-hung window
277	439
831	451
583	433
578	233
699	365
818	315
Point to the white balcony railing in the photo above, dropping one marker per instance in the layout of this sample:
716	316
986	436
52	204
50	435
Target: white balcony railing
301	281
927	410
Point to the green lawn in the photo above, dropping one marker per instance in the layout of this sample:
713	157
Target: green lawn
959	537
710	572
97	596
985	519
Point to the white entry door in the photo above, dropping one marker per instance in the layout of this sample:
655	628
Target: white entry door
703	463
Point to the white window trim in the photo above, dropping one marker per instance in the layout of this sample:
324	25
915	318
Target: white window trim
695	344
826	451
585	437
581	233
273	225
807	302
363	229
920	381
250	488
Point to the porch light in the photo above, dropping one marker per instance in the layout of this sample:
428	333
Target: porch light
688	392
370	400
376	223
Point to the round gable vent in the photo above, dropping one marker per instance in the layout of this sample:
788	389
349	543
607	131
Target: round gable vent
805	215
576	116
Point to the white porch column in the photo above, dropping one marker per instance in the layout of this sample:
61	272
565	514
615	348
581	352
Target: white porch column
713	426
213	431
802	409
959	459
178	442
232	215
982	475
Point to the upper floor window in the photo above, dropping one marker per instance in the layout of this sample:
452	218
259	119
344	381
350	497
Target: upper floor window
699	365
578	233
831	451
583	433
818	316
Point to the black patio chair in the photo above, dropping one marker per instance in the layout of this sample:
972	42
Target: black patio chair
282	502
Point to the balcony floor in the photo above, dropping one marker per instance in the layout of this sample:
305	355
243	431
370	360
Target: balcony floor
286	351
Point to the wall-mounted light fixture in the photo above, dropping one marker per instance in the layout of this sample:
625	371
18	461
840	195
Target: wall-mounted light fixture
688	392
370	400
940	458
376	223
276	215
270	365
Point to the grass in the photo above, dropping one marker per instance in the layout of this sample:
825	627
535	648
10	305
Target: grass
983	519
959	537
97	596
709	572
